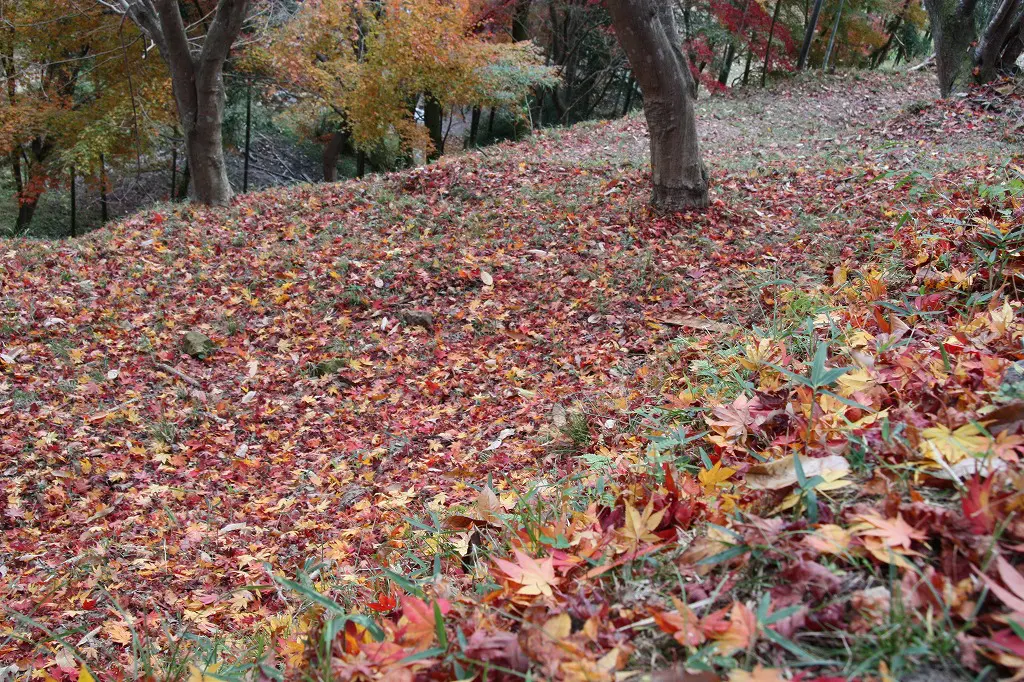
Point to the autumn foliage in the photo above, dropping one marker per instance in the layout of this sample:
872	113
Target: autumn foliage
491	417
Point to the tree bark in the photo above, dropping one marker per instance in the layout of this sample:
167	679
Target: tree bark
332	150
952	23
812	24
880	55
832	37
1003	28
197	80
647	32
768	45
474	126
521	20
433	119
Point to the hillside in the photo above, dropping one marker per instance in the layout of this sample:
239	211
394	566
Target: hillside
514	321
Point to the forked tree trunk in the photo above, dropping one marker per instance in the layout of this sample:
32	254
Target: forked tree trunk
1004	31
646	30
197	79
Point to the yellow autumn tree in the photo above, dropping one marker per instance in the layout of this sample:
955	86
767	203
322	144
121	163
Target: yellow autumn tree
370	64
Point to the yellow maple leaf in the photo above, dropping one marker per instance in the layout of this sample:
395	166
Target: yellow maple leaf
856	380
942	444
208	675
715	477
640	526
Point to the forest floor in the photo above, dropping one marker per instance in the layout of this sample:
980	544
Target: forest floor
492	417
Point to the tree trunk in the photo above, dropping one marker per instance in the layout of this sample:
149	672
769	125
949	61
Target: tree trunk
952	23
332	150
812	24
74	204
181	192
1003	29
433	119
750	58
26	209
104	210
832	37
205	151
521	20
880	55
197	80
248	135
646	30
768	45
474	126
723	74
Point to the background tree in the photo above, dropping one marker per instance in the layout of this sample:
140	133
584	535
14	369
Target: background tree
647	32
368	65
75	89
195	55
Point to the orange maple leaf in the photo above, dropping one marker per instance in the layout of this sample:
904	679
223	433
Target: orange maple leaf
534	577
418	625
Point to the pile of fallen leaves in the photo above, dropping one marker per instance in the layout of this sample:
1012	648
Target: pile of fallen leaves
453	422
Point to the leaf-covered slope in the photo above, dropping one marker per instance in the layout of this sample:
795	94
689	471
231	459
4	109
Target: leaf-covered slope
382	349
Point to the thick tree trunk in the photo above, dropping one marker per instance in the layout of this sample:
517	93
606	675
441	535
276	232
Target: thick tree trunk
205	151
952	23
197	81
646	30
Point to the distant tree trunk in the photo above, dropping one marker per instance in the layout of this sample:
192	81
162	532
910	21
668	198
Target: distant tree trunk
332	150
832	36
361	163
186	179
879	56
1000	45
74	204
647	32
490	123
952	23
433	118
26	209
812	24
248	134
197	80
768	46
746	67
474	126
521	21
730	54
104	212
723	74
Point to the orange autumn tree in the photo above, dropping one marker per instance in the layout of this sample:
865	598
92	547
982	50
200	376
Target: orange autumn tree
368	64
76	94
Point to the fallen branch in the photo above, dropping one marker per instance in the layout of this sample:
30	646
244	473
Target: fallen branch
926	63
181	375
